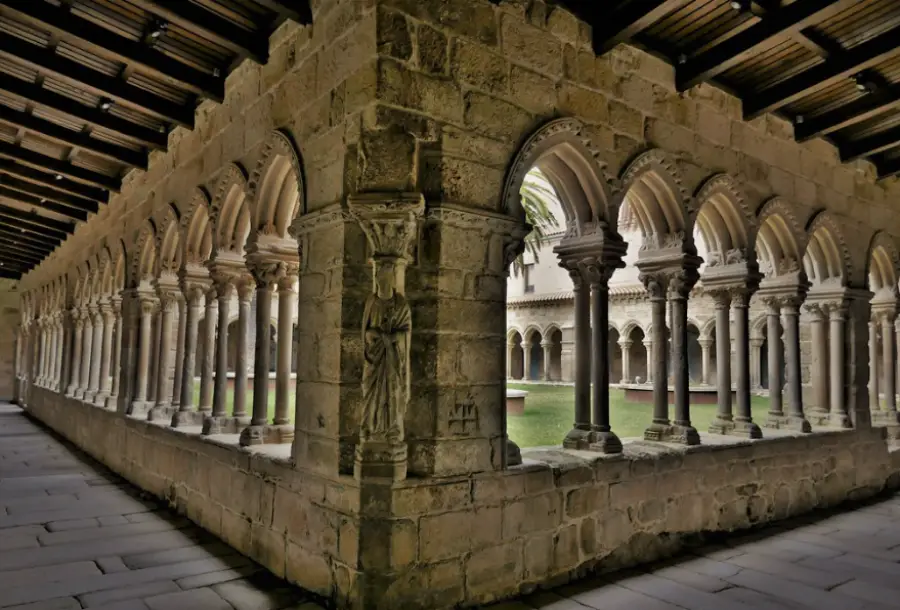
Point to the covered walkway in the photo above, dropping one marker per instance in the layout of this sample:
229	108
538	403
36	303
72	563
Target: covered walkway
72	535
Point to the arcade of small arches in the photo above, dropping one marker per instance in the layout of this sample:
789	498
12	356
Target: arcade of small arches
130	329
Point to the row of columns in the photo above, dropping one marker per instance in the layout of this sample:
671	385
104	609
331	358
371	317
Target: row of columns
884	317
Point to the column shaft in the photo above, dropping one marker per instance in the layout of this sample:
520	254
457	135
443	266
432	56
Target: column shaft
167	309
625	348
796	418
578	437
659	349
723	362
207	365
86	349
261	355
776	383
887	356
286	297
240	366
117	356
188	363
681	371
603	437
143	363
819	359
743	416
106	356
221	383
179	352
839	415
874	402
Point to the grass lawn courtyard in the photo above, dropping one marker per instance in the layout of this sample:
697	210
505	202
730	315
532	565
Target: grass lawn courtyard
550	409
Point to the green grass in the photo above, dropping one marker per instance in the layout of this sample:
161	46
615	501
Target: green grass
549	414
292	400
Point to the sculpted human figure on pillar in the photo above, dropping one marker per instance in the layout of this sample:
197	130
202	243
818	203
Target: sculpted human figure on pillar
391	231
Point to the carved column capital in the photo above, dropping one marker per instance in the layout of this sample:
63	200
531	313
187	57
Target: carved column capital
626	344
721	298
267	273
682	282
740	296
245	285
818	311
390	222
656	283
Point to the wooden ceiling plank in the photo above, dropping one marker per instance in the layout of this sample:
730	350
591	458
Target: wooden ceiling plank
211	26
46	60
30	250
749	42
856	111
60	134
64	184
870	145
10	275
625	20
846	64
106	43
887	169
10	252
92	116
43	192
56	226
295	10
62	168
36	202
36	242
35	233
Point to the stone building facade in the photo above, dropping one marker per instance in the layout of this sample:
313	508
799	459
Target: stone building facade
375	163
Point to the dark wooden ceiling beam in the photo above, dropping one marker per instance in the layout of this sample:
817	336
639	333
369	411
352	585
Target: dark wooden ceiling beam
295	10
211	26
110	45
843	65
10	252
876	143
42	204
856	111
61	229
10	275
624	20
59	184
57	133
46	60
35	233
749	42
13	265
28	249
887	168
62	168
43	192
35	93
38	242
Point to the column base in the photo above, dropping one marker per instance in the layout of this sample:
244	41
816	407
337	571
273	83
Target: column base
818	416
89	396
722	425
577	439
160	412
605	442
224	425
788	422
100	399
513	453
182	419
139	408
253	435
840	420
112	402
672	433
381	460
746	429
267	434
79	394
886	417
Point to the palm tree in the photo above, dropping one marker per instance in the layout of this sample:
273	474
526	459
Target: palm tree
537	196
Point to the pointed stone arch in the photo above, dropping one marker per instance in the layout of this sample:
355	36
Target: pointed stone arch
196	230
168	238
653	188
276	187
144	256
568	157
230	211
780	239
725	221
883	264
827	258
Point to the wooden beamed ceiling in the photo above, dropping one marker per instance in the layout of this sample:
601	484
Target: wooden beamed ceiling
831	67
89	87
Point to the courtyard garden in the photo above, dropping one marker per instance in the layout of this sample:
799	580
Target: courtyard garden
549	411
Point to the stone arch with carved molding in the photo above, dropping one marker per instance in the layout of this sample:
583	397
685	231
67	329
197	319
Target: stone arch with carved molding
567	155
883	264
196	230
725	221
780	238
168	248
827	259
276	188
143	259
230	211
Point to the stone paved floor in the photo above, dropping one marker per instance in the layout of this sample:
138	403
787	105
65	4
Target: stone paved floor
845	561
72	535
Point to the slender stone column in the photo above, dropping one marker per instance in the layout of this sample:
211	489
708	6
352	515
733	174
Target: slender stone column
897	350
179	352
87	349
656	286
245	296
743	416
207	365
724	422
819	408
54	342
509	353
683	431
168	301
147	306
756	363
75	380
602	438
706	361
286	298
546	346
113	399
625	347
648	348
579	436
42	353
96	355
887	357
155	355
776	384
874	402
795	418
193	301
215	422
526	360
266	275
106	354
57	352
838	416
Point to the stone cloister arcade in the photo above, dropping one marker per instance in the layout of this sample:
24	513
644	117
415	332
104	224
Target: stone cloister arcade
369	175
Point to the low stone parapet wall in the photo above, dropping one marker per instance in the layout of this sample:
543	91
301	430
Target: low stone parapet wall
468	540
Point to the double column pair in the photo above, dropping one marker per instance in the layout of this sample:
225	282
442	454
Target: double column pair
884	316
827	330
676	285
789	308
592	430
734	301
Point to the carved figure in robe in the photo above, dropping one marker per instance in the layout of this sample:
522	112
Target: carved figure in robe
387	326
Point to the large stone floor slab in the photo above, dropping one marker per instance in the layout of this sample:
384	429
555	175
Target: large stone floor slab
73	535
842	561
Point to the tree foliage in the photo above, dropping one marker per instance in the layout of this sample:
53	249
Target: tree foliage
538	201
